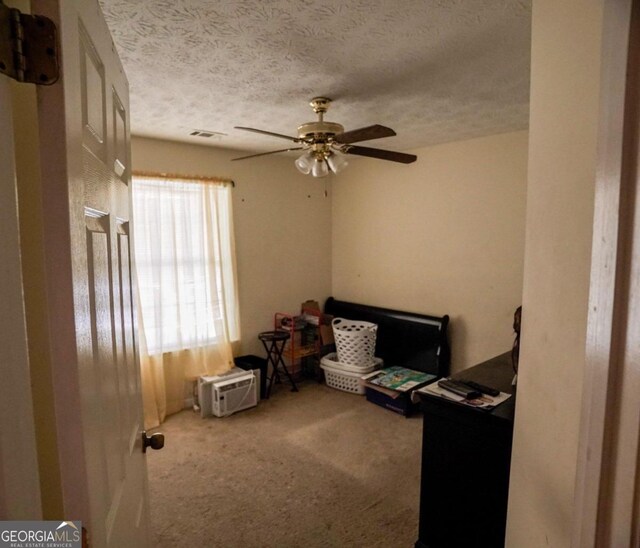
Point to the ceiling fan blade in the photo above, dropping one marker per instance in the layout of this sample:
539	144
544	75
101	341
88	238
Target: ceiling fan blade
380	154
365	134
265	153
294	139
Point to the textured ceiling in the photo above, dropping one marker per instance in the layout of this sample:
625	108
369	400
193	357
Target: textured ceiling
433	70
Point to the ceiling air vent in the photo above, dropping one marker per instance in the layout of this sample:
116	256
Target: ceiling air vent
206	133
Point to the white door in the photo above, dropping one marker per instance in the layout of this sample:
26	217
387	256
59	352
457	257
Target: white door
86	193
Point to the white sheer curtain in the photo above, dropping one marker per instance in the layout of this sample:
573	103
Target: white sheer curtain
186	273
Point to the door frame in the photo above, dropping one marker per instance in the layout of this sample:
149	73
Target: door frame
19	477
603	428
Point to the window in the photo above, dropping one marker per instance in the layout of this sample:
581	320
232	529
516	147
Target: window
185	263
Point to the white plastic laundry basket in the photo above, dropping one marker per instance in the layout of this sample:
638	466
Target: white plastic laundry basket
355	341
346	377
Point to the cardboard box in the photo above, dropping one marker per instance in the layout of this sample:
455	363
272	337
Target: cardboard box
311	305
326	335
326	331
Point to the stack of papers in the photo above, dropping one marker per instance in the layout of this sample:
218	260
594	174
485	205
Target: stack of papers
484	402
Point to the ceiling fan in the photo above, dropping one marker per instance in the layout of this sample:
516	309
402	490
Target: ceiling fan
326	144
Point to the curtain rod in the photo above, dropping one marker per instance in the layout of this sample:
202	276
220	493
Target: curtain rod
179	177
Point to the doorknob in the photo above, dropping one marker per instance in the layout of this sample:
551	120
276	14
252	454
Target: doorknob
155	441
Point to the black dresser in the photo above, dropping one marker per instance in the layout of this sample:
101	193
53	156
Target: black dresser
466	455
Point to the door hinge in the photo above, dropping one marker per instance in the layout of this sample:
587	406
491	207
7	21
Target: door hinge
28	47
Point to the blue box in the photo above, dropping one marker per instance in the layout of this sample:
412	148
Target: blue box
401	405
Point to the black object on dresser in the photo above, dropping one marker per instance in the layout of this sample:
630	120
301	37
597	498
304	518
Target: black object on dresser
466	456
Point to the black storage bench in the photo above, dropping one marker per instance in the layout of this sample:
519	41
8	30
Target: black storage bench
406	339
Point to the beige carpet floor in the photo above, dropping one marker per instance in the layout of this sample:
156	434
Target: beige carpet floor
317	468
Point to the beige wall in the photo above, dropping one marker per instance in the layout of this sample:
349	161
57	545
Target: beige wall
562	162
444	235
282	227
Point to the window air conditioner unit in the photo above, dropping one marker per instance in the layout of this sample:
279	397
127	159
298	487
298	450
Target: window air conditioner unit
223	395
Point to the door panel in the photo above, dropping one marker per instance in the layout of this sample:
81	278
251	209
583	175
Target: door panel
120	138
104	359
85	151
92	85
128	372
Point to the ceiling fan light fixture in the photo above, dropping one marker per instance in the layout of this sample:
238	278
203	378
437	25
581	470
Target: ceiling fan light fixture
320	168
305	162
326	143
337	161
